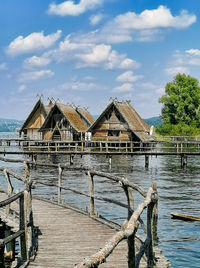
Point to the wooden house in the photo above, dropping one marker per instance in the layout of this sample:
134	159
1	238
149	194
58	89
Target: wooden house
64	122
120	122
35	120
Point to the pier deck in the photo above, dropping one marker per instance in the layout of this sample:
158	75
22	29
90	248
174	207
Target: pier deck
67	236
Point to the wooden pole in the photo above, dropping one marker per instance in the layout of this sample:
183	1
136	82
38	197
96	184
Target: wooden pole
146	161
2	235
60	170
155	213
91	193
10	189
150	254
22	227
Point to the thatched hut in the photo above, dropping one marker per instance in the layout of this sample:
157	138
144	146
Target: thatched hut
64	122
120	122
35	120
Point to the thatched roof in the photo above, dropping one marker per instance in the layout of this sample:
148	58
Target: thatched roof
86	115
135	123
71	116
39	104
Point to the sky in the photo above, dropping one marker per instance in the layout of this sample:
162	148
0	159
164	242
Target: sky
86	52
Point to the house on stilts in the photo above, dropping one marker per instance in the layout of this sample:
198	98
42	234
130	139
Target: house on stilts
67	123
35	120
120	122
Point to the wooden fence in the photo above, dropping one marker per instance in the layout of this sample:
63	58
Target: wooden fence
25	231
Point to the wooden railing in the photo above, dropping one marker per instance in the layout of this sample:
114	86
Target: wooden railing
129	228
25	230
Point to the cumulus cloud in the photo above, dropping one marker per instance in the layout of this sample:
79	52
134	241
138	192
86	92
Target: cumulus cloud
174	70
34	75
69	8
195	52
155	18
95	19
33	42
35	61
126	87
128	77
145	26
90	55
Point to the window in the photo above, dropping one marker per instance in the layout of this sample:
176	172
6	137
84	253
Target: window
113	133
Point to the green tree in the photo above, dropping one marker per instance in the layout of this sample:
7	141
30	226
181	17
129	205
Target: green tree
181	102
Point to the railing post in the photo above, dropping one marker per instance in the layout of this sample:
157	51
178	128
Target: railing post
22	226
155	213
60	170
2	247
91	193
28	212
10	189
150	255
131	239
131	249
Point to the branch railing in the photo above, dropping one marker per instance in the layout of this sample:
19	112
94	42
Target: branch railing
25	231
134	219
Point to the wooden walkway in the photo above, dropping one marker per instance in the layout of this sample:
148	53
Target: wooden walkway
68	236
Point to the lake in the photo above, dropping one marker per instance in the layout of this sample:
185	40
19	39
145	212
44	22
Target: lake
178	191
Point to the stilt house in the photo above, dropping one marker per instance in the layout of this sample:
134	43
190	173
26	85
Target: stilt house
35	120
64	122
120	122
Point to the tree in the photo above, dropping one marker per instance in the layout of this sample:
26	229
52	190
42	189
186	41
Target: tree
181	102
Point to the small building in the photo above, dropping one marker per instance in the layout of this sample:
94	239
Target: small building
120	122
64	122
35	120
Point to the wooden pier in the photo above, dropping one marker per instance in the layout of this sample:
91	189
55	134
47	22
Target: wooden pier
54	234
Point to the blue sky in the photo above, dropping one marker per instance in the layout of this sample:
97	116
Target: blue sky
86	51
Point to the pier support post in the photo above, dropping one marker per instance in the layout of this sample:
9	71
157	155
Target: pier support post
110	160
71	159
146	161
183	161
2	247
91	181
60	170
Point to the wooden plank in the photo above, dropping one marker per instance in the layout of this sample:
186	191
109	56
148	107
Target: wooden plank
184	217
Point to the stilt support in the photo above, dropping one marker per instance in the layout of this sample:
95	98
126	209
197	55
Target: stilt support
146	161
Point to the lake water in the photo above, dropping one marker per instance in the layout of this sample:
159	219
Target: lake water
178	191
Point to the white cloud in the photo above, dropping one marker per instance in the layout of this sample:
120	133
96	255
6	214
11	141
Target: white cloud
21	88
90	55
78	86
95	19
71	9
126	87
128	77
35	61
103	55
155	18
181	62
143	27
3	66
34	75
33	42
174	70
195	52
